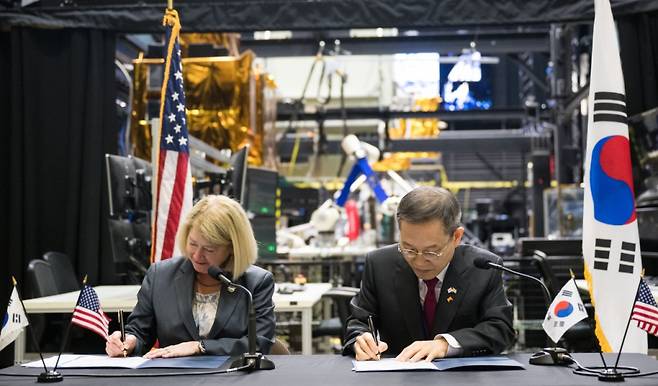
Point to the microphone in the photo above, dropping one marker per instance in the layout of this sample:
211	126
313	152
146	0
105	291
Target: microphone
252	360
548	355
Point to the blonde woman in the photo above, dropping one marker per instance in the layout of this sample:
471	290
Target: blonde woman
188	311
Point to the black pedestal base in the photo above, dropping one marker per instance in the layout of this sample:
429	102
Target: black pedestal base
610	375
255	361
50	377
556	356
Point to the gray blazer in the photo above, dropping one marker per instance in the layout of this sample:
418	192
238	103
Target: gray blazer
164	310
472	306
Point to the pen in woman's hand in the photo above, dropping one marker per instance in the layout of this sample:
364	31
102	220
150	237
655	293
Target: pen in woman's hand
123	333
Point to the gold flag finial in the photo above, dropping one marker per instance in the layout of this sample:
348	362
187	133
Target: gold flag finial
13	280
84	280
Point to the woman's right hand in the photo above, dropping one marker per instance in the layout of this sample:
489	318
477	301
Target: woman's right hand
114	347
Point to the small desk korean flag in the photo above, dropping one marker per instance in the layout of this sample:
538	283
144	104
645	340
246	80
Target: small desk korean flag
13	322
566	310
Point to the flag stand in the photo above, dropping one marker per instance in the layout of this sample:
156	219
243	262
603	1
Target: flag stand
65	338
614	374
48	376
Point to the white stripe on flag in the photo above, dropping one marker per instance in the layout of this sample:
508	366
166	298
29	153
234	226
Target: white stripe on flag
166	191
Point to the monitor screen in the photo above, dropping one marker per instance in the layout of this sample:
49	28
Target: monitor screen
265	233
471	94
260	196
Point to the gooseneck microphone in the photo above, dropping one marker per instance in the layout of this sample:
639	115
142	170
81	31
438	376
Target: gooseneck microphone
484	263
548	355
252	360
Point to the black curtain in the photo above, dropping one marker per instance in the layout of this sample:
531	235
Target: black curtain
58	119
638	44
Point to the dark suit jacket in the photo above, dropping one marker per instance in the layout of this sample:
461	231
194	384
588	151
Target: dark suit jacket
164	310
479	316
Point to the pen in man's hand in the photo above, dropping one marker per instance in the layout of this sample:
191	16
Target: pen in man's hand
371	326
123	333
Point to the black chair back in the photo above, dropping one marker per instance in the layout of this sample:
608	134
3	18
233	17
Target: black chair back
40	279
63	272
341	297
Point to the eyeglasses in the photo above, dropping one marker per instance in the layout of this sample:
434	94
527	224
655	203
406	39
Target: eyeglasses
429	255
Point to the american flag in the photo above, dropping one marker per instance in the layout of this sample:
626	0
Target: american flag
88	313
645	309
173	178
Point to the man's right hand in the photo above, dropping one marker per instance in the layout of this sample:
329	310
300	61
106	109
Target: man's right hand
114	347
366	349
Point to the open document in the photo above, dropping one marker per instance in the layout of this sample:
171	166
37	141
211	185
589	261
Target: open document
98	361
481	363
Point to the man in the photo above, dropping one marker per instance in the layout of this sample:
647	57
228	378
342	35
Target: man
424	294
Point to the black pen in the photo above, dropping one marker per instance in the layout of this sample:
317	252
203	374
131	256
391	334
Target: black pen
123	333
371	326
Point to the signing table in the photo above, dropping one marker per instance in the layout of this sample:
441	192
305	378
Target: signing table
336	370
124	297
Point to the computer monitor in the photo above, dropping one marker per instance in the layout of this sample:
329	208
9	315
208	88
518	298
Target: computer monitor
120	182
143	183
238	175
260	196
129	186
131	247
562	246
265	233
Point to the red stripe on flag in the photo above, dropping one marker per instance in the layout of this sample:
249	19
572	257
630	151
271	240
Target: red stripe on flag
175	206
644	307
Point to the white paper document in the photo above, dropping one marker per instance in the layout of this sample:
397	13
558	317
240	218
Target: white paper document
88	361
70	361
390	364
484	363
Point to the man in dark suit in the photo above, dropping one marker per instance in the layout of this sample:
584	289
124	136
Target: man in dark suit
425	296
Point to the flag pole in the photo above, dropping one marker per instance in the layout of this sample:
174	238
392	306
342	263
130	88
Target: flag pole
595	339
46	376
629	320
68	328
170	4
34	339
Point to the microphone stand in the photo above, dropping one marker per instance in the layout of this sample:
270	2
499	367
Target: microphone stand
548	355
251	360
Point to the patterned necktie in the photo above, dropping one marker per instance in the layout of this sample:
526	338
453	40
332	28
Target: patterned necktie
429	306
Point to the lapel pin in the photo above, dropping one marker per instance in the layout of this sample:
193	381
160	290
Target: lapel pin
231	289
452	290
449	299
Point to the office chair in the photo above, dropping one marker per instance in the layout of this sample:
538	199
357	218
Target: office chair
279	348
40	279
580	338
63	272
340	296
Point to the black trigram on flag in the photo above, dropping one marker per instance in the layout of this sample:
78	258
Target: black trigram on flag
602	255
610	107
567	293
627	257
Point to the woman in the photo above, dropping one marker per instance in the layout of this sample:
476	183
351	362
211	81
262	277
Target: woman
188	311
